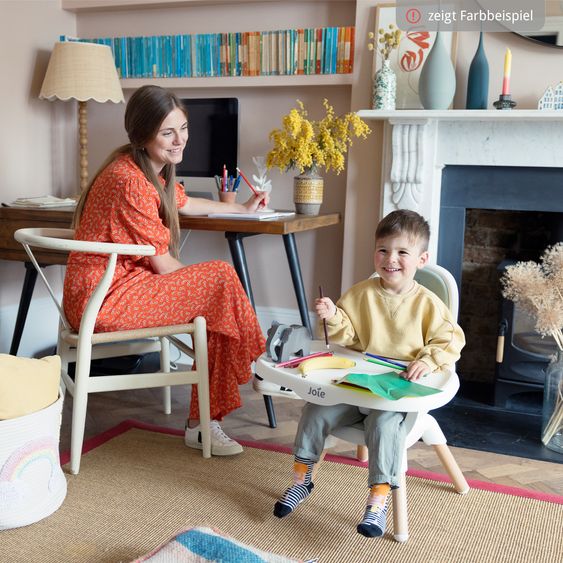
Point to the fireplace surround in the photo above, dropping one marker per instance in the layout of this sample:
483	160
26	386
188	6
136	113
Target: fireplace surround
439	163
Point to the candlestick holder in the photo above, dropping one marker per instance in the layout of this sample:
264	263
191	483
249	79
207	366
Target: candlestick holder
505	101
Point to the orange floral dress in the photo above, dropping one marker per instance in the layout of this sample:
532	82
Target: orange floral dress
122	207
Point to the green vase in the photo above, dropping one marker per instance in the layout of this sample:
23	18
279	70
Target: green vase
384	87
436	86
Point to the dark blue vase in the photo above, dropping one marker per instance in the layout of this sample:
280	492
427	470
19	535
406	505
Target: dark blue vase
478	79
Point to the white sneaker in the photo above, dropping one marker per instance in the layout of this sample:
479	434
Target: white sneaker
221	444
267	388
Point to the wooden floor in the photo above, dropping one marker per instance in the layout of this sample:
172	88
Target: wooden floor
105	410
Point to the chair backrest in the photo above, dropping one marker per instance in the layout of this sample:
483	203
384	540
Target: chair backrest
63	240
439	281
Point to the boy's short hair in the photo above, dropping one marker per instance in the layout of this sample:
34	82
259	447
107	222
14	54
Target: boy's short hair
404	221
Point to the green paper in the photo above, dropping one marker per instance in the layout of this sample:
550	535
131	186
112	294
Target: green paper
389	385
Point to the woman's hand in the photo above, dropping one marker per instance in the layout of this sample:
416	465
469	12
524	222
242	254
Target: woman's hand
325	308
257	202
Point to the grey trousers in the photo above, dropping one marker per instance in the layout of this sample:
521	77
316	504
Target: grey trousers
384	434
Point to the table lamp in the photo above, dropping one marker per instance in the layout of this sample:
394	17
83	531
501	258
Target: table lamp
81	71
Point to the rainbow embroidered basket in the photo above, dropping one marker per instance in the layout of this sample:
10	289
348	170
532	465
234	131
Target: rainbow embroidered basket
32	483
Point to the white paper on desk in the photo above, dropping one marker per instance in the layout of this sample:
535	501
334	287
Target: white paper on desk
42	201
258	216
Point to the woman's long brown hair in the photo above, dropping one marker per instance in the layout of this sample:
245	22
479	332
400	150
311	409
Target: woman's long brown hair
145	112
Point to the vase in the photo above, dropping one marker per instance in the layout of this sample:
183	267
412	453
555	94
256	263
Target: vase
384	87
478	79
436	86
308	192
552	412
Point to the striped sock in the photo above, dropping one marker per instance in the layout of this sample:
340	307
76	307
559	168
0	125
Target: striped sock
299	491
375	516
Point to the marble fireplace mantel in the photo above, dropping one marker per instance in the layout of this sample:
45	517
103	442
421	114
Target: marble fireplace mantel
419	143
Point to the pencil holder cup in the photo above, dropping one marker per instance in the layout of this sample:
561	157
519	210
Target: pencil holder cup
227	197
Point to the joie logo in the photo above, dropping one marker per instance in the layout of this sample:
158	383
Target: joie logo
318	392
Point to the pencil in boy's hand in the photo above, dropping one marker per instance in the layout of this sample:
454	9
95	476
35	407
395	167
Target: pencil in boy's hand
324	320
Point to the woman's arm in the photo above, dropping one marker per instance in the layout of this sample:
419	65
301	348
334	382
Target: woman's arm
165	263
202	206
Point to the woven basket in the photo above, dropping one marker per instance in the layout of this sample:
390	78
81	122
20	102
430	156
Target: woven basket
308	193
32	483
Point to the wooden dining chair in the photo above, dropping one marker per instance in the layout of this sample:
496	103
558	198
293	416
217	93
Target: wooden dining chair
84	345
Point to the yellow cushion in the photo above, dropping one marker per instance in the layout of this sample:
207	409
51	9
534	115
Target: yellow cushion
27	385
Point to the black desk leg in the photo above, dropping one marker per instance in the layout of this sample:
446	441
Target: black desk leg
236	247
25	300
295	269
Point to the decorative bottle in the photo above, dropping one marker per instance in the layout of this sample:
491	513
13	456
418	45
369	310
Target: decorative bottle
384	87
478	79
436	86
552	420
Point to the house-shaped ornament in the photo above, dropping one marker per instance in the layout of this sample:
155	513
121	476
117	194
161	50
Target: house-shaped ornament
547	99
558	96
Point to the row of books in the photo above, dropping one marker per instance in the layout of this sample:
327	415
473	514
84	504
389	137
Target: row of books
326	50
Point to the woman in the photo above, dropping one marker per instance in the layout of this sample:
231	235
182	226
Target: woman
134	199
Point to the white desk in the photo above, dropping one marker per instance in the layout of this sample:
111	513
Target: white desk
317	386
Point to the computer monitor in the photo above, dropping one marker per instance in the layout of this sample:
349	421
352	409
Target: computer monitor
213	137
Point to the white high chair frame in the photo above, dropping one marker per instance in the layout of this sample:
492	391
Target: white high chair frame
419	425
84	345
317	388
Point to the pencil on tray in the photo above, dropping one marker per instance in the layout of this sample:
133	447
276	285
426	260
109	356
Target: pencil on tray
324	320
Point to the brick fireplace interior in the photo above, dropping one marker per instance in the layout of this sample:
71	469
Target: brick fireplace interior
489	214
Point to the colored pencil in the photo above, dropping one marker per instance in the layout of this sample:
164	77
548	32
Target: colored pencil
247	182
324	320
385	364
384	359
296	361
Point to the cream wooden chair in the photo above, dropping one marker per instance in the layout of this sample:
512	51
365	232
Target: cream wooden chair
419	425
84	345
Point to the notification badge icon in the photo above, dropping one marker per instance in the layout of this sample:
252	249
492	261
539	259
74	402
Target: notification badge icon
413	15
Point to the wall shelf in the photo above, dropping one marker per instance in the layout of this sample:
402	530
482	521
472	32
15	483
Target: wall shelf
402	115
243	81
108	5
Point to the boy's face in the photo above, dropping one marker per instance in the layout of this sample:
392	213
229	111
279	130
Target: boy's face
396	260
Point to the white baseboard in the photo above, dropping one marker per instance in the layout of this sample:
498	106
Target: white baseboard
266	315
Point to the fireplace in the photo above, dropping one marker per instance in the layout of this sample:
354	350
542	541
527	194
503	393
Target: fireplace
490	214
449	165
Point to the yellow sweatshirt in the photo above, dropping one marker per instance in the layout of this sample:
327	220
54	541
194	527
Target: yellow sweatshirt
413	326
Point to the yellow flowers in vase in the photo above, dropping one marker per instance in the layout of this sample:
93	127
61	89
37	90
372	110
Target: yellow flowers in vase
304	144
387	41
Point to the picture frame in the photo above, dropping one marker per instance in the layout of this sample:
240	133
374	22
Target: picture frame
408	59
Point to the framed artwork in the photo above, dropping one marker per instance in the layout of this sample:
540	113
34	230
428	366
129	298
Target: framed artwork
408	59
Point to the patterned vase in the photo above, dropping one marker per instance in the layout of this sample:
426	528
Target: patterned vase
308	192
552	412
478	79
436	86
384	87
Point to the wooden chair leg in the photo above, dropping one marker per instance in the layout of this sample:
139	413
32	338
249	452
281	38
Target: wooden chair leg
400	515
361	452
316	466
450	465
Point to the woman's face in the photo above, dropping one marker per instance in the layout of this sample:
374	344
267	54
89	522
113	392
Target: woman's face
168	145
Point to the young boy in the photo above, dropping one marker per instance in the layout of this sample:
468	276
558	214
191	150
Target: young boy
391	316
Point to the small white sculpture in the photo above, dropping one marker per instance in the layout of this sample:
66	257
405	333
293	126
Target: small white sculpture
552	98
261	182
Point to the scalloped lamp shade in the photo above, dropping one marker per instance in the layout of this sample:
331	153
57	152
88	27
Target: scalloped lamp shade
81	71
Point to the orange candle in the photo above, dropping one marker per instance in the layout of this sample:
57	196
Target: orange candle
507	69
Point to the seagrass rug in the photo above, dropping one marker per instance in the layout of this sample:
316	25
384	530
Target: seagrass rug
139	485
